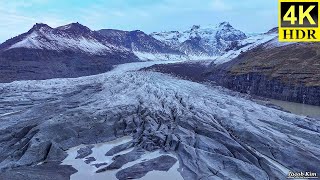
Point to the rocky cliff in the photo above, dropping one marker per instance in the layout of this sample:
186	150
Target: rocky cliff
282	71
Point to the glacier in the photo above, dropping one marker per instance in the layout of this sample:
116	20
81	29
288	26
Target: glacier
211	132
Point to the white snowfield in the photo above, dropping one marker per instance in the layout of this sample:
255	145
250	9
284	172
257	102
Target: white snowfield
125	86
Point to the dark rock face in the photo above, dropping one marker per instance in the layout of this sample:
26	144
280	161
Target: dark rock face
121	160
100	164
117	149
101	170
90	160
228	33
75	28
194	46
289	73
257	84
162	163
50	171
84	152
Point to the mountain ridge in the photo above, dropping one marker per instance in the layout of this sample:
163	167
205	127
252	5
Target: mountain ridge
206	42
70	50
187	47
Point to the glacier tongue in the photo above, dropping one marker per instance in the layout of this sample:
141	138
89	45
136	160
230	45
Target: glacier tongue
214	134
146	56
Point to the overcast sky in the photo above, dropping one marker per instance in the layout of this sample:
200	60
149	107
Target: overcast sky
18	16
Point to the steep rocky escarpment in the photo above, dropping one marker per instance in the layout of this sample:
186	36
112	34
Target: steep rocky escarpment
289	72
261	85
213	134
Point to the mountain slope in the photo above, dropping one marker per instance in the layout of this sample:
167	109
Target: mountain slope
285	71
73	37
68	51
142	45
245	45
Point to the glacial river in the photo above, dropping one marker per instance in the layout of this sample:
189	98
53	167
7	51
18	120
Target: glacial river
297	108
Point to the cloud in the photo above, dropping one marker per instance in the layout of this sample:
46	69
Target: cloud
17	16
17	5
220	5
118	13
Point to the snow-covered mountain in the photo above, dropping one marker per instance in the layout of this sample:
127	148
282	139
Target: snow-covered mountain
142	45
74	50
247	44
203	42
67	51
78	38
72	37
197	43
